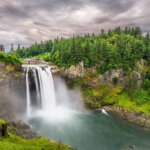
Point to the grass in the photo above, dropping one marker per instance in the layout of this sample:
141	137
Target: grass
2	122
96	95
14	142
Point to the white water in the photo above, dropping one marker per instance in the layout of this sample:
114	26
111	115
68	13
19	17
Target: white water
28	93
47	89
43	82
104	111
45	95
37	86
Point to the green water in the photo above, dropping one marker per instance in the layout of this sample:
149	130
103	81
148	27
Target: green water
94	131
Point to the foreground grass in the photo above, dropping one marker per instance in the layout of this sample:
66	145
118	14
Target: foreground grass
14	142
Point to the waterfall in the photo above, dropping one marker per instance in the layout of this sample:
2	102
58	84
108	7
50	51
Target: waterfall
44	87
37	87
28	93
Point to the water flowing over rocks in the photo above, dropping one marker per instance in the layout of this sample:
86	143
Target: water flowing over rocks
34	61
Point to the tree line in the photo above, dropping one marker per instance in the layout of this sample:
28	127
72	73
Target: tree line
108	50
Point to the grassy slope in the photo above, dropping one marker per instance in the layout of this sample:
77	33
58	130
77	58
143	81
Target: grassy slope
13	142
95	95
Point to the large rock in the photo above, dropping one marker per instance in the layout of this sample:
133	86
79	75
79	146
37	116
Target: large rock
12	91
113	77
118	77
74	71
138	78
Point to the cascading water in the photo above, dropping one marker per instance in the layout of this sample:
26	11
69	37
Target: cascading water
44	87
28	92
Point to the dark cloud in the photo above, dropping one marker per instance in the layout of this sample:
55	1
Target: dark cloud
35	20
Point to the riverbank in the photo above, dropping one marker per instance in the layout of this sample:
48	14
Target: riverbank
132	117
131	104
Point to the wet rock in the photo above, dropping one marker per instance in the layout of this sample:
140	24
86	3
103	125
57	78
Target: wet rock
21	129
34	61
132	147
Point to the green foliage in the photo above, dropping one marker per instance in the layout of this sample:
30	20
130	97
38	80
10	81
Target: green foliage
2	121
118	48
14	142
45	57
9	58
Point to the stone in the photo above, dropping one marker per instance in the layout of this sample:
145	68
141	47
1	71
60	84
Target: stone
74	71
137	76
109	76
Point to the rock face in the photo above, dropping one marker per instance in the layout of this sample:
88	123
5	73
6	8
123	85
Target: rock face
118	77
74	71
138	78
12	91
113	77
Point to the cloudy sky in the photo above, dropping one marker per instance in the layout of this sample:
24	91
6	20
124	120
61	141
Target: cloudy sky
27	21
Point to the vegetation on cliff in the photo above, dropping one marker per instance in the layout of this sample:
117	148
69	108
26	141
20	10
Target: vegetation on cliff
9	58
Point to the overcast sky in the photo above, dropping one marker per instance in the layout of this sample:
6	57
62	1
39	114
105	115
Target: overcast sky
27	21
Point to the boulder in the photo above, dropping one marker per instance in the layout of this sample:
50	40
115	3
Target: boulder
138	78
74	71
113	77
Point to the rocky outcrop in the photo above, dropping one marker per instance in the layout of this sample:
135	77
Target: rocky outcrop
34	61
12	90
74	71
23	130
135	118
137	77
113	77
117	77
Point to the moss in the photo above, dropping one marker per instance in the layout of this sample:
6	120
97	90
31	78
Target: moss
17	74
9	68
2	121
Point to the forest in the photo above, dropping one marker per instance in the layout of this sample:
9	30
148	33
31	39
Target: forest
108	50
